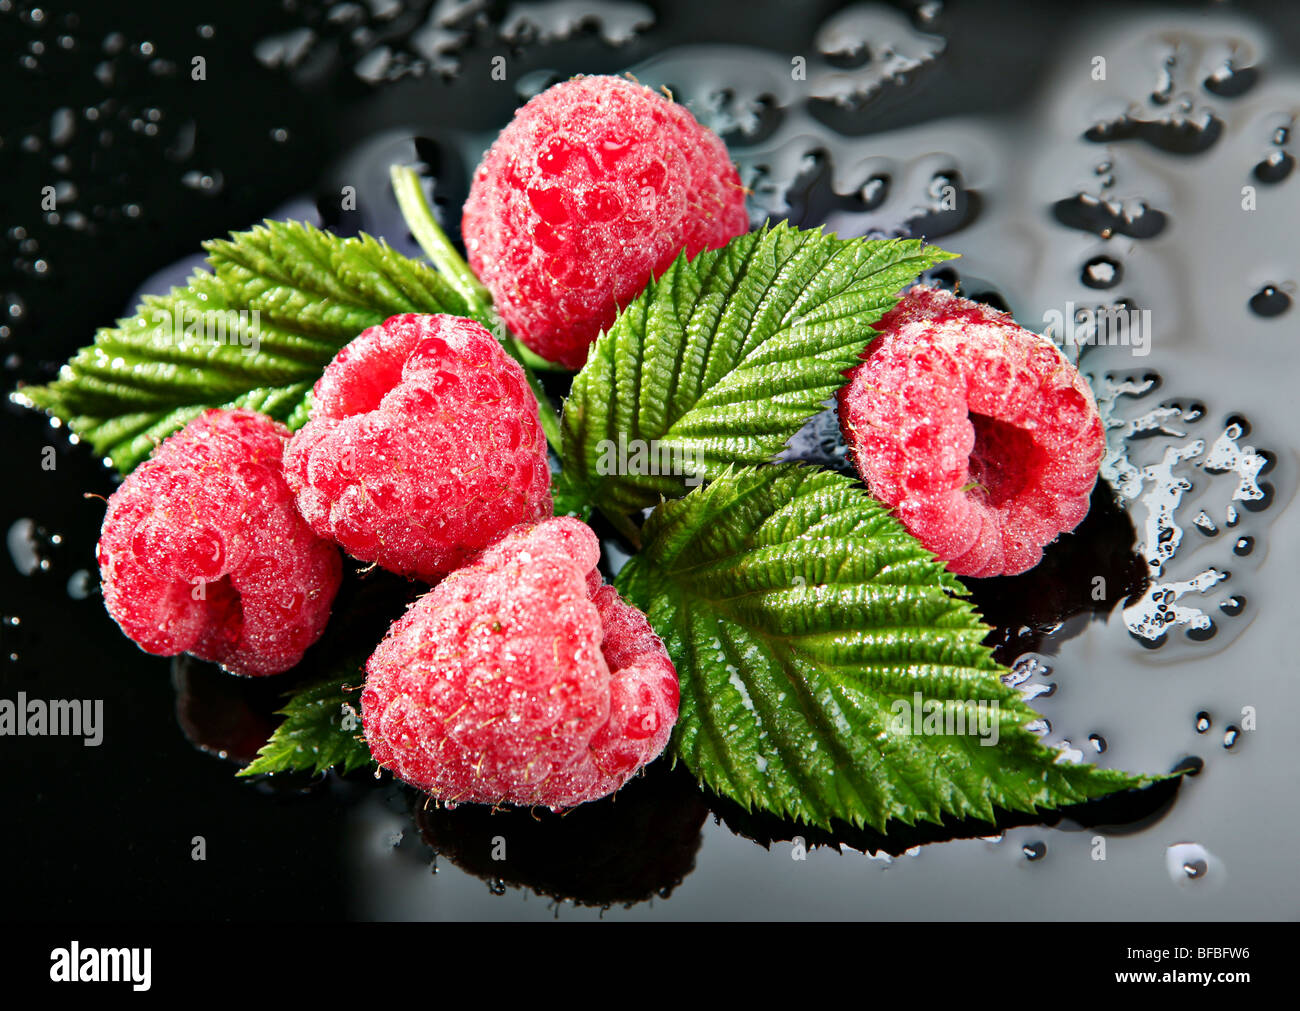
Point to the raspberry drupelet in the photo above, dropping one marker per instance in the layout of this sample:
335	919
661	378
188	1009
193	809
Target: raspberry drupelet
521	679
423	446
203	552
595	186
980	434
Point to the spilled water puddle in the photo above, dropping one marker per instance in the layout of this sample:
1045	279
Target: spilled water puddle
1205	482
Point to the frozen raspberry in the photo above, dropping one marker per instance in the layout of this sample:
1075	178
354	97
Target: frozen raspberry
980	434
521	679
423	446
597	184
203	552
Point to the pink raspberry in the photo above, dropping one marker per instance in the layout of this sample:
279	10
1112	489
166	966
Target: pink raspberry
597	184
203	552
521	679
423	446
980	434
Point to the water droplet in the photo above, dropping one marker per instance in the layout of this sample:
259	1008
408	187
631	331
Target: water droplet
24	545
1189	862
1231	736
928	12
1203	722
1233	606
1102	272
206	183
1034	850
1270	301
1230	81
63	124
81	584
1276	167
874	191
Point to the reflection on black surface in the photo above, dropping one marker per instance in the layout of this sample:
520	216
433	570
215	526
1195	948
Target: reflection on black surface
624	849
368	602
1026	609
232	717
1117	814
221	714
642	843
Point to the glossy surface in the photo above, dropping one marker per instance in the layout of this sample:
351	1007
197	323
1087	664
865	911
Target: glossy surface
1165	186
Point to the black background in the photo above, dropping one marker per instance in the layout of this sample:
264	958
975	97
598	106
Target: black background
105	833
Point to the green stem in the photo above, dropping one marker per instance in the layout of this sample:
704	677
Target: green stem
546	413
433	240
622	522
442	254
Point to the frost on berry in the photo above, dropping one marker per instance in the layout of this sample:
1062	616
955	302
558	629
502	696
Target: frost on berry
521	679
596	185
423	446
203	552
980	434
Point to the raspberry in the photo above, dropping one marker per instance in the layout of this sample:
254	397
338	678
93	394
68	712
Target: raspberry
980	434
521	679
597	184
203	552
423	446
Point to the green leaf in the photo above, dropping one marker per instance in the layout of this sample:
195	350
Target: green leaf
798	612
725	357
321	730
568	500
256	331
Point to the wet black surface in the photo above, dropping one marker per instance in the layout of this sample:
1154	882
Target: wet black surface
109	832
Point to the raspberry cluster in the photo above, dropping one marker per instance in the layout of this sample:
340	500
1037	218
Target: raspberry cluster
980	434
520	677
596	186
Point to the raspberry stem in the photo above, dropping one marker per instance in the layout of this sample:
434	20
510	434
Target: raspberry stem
442	254
433	240
623	523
